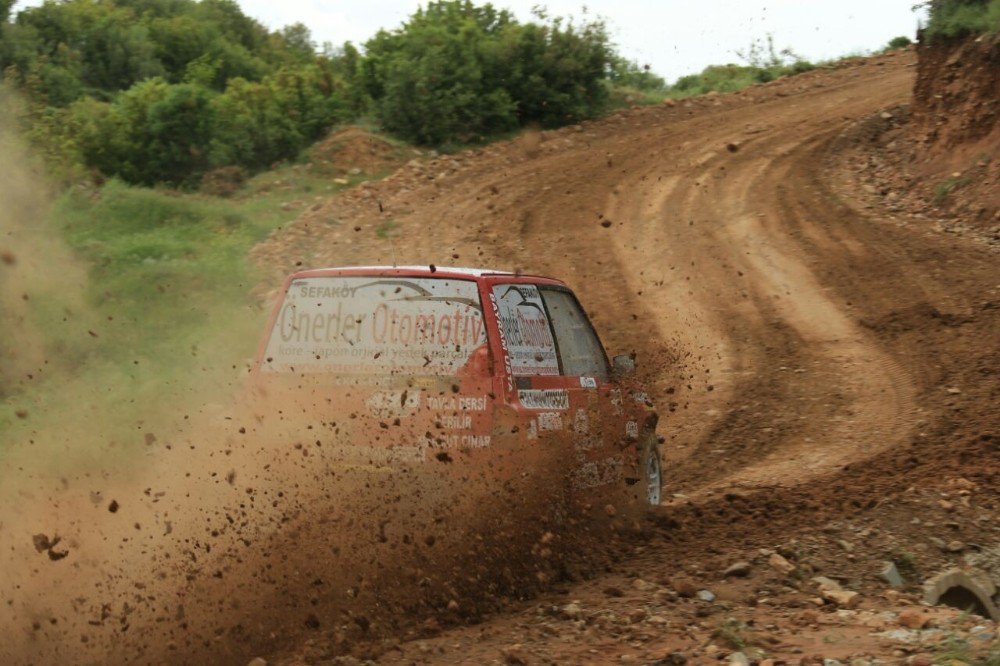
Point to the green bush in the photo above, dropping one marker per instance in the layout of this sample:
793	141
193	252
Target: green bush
763	63
896	43
628	74
954	18
156	91
456	72
153	132
138	89
258	124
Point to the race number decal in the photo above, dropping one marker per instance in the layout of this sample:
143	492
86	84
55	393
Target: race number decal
525	325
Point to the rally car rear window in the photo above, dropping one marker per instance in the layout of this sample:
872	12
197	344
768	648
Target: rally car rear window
580	351
547	333
525	325
376	325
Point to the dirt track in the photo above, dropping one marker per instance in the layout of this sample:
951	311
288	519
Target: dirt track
799	341
826	372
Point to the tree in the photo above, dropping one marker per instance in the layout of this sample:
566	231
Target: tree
460	72
297	41
154	132
628	73
5	7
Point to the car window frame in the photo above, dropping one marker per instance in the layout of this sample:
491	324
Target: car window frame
590	325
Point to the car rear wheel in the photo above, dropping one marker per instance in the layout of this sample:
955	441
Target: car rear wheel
652	477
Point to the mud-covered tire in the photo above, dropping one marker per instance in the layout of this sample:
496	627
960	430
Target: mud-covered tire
643	483
650	472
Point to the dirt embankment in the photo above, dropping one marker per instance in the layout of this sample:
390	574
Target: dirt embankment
939	157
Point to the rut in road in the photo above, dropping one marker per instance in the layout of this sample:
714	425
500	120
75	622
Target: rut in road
737	235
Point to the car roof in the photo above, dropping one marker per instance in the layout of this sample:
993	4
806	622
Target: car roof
419	271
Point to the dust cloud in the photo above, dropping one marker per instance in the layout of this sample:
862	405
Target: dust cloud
37	270
267	522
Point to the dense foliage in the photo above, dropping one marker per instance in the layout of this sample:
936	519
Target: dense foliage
455	71
954	18
163	90
166	90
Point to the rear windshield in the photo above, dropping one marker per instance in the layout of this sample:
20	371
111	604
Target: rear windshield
376	326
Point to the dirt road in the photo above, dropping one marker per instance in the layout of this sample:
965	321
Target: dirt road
817	361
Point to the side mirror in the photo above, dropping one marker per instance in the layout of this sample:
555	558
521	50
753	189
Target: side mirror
623	365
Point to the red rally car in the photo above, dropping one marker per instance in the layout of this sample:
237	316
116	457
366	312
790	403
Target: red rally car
417	364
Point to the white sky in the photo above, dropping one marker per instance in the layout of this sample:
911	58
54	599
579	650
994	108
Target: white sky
676	37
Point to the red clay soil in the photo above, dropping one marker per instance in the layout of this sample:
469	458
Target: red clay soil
355	148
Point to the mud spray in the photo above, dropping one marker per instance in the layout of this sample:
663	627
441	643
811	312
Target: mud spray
264	525
251	524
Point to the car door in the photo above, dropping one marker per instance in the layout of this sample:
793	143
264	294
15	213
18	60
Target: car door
558	380
601	429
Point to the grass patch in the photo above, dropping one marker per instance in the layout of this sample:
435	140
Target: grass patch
944	189
731	634
957	650
167	324
384	229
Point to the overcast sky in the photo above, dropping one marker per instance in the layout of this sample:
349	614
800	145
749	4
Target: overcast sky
676	37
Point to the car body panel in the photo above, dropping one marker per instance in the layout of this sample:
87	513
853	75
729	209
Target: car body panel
504	404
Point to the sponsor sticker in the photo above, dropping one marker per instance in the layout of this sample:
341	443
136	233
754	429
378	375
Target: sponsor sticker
588	382
599	473
376	326
525	328
549	421
471	403
617	406
544	398
387	404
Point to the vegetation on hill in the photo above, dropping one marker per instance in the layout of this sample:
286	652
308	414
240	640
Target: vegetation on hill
455	71
954	18
762	62
164	90
173	91
155	91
